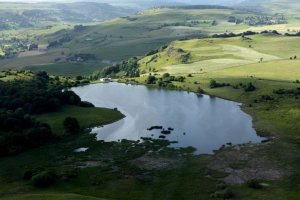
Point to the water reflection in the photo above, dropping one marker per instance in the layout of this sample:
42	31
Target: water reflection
202	122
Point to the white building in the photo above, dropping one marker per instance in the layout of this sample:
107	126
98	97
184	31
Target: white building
105	80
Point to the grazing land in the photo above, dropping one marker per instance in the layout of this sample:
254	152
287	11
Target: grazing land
96	117
115	40
176	48
233	64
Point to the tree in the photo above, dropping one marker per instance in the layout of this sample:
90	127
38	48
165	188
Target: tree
71	125
200	90
250	87
44	179
151	80
261	60
166	75
213	84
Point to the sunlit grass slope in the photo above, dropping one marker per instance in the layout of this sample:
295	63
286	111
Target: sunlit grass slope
240	56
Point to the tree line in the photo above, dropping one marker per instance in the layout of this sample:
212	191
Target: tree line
20	99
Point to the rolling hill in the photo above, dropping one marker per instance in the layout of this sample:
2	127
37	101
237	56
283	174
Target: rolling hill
30	15
118	39
272	6
121	38
230	57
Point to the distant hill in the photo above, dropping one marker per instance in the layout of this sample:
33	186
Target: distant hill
272	6
211	2
119	39
28	15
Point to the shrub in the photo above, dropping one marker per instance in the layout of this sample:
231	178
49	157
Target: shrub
250	87
166	75
44	179
221	186
254	183
39	135
86	104
224	194
151	80
266	98
215	84
200	90
27	175
69	173
71	125
79	78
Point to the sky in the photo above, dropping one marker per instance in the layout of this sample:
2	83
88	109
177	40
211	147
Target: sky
137	1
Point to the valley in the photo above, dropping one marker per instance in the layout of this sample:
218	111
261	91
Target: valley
176	101
134	35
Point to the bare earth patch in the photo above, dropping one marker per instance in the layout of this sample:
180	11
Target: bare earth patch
155	163
246	163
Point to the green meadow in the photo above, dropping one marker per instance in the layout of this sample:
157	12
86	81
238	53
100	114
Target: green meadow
96	117
206	55
237	62
118	170
121	38
135	35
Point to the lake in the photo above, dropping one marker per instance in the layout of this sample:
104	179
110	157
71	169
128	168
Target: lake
203	122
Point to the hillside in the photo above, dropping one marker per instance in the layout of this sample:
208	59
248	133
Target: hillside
181	78
30	15
272	6
262	72
84	49
202	56
115	40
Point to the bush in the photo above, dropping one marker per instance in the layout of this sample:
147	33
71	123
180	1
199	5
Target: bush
200	90
86	104
224	194
27	175
221	186
39	135
44	179
151	80
214	84
69	173
166	75
254	183
250	87
71	125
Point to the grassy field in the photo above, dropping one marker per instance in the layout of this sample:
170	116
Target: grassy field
116	170
51	197
274	6
96	117
232	61
209	55
122	38
66	69
44	57
106	170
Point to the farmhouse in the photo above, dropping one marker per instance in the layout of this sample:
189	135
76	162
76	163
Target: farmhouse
105	80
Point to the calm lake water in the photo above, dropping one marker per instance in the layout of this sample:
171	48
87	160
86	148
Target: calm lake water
205	123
